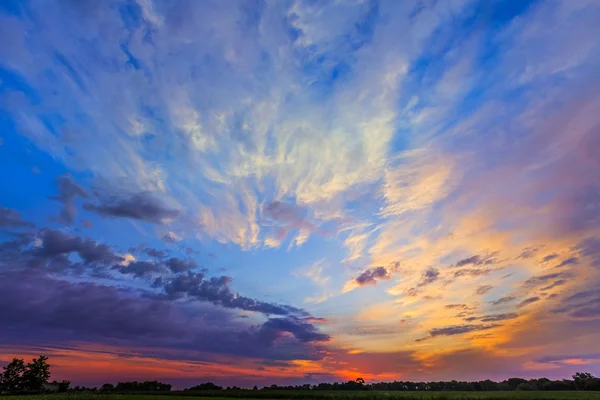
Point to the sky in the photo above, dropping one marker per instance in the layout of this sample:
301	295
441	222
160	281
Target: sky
257	192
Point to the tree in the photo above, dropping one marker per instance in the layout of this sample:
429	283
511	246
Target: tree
36	373
360	381
107	387
584	380
11	379
205	386
514	382
63	386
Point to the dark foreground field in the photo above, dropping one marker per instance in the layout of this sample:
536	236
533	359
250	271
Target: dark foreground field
341	396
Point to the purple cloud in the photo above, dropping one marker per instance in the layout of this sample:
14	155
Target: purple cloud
10	218
372	275
62	312
68	192
141	206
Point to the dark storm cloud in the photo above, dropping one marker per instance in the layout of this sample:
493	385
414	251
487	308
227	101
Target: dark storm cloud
10	218
62	313
140	269
141	206
215	290
528	301
301	330
178	265
502	300
68	192
152	252
372	275
54	248
481	290
56	243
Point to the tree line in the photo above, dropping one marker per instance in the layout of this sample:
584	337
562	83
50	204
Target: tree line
18	377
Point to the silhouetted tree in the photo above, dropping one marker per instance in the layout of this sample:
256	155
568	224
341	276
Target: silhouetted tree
62	386
107	387
586	381
11	379
36	373
205	386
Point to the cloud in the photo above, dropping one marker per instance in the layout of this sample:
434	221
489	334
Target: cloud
177	265
215	290
141	206
458	330
472	272
316	274
56	243
550	257
568	261
498	317
320	115
542	279
503	300
528	301
429	276
475	260
367	277
287	217
10	218
484	289
457	306
140	269
372	275
555	284
529	252
301	330
155	253
59	315
171	237
68	192
583	304
86	223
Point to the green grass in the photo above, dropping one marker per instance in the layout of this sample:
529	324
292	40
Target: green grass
334	396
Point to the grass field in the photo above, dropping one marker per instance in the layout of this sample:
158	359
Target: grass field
342	396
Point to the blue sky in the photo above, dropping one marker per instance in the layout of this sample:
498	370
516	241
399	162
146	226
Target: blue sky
379	188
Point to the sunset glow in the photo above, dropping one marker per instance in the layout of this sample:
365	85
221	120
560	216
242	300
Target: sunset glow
258	192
